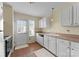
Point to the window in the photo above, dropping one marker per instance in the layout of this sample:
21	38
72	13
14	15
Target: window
31	28
21	26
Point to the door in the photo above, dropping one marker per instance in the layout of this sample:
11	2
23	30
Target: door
76	14
21	32
66	16
63	48
2	42
52	45
74	49
46	41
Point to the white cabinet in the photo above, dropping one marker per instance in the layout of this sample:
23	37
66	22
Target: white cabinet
40	39
44	22
76	15
63	48
46	41
52	44
70	15
74	49
66	16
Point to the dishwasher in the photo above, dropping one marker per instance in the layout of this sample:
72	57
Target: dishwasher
40	39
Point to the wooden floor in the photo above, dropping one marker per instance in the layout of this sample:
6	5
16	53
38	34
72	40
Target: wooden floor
27	52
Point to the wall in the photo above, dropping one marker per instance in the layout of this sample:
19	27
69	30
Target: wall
7	15
27	17
56	24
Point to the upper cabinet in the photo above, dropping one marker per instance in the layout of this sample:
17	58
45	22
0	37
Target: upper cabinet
70	16
66	16
44	22
76	15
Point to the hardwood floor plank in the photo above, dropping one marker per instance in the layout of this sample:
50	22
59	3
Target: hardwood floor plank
27	52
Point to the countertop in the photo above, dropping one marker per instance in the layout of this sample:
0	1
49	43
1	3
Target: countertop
7	37
69	37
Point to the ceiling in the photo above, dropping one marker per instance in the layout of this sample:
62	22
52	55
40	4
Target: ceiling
40	9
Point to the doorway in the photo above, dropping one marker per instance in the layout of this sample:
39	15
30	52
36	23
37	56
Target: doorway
21	33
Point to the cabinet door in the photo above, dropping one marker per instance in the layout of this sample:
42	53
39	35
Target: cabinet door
76	15
66	16
74	49
52	45
63	48
40	39
46	41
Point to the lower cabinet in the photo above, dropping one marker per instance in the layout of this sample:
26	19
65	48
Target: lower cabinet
40	39
59	47
52	44
46	41
74	49
63	48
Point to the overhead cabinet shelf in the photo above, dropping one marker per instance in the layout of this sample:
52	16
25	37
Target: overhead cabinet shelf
70	16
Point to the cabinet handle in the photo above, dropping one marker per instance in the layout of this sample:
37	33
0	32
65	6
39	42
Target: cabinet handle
72	49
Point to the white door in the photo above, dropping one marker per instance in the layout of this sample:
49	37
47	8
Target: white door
2	42
52	45
66	16
21	32
46	41
63	48
74	49
76	14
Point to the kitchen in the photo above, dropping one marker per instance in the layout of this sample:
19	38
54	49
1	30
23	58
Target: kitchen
48	29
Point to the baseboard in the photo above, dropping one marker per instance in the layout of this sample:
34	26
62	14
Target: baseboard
21	46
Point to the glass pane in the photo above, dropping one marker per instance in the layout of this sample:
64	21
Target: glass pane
21	26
